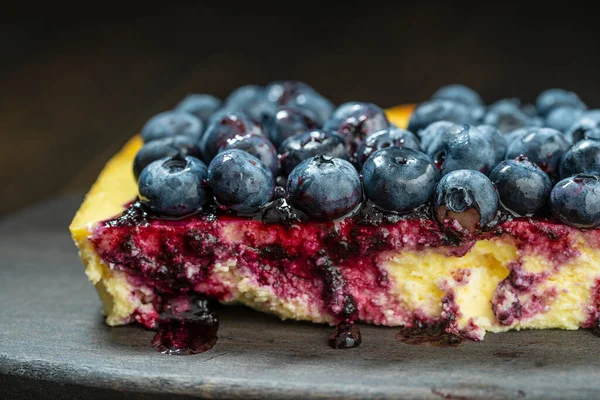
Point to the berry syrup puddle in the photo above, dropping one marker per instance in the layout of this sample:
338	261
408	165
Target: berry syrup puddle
303	259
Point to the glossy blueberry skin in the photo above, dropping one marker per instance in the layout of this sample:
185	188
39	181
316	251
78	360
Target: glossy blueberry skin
459	94
462	147
431	132
165	147
324	187
552	98
200	105
354	121
223	126
562	118
173	187
585	128
399	179
306	145
506	115
252	100
257	145
288	121
465	192
543	146
282	92
581	158
386	138
240	181
498	140
172	123
319	107
576	201
439	110
523	187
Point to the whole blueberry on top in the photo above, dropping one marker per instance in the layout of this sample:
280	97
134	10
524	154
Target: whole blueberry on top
543	146
498	140
240	181
200	105
506	115
562	118
399	179
576	201
354	121
282	92
173	187
462	147
226	125
460	94
305	145
523	187
439	110
257	145
581	158
552	98
584	128
465	201
319	107
432	131
286	122
386	138
160	148
252	100
324	187
172	123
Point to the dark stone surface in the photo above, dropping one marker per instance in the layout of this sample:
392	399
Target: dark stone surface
55	345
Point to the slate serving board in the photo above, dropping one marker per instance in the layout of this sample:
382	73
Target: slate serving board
53	343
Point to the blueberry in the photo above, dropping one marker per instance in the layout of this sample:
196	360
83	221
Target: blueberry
223	126
257	145
576	201
240	181
459	94
354	121
319	107
585	128
498	140
160	148
543	146
300	95
506	115
172	123
552	98
562	118
439	110
431	132
462	147
522	186
252	100
582	158
399	179
385	138
324	187
282	92
173	186
286	122
200	105
465	200
305	145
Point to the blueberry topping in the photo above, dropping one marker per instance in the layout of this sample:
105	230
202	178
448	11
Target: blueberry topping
498	141
240	181
173	187
585	128
439	110
252	100
305	145
386	138
200	105
562	118
576	201
459	94
582	158
397	179
257	145
506	115
465	200
522	186
462	147
288	121
431	132
354	121
552	98
165	147
282	92
225	126
172	123
319	107
543	146
324	187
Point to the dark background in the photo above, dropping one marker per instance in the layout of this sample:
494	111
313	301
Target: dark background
75	84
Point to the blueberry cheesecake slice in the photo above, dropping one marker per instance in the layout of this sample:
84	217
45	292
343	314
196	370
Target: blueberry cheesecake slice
450	217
